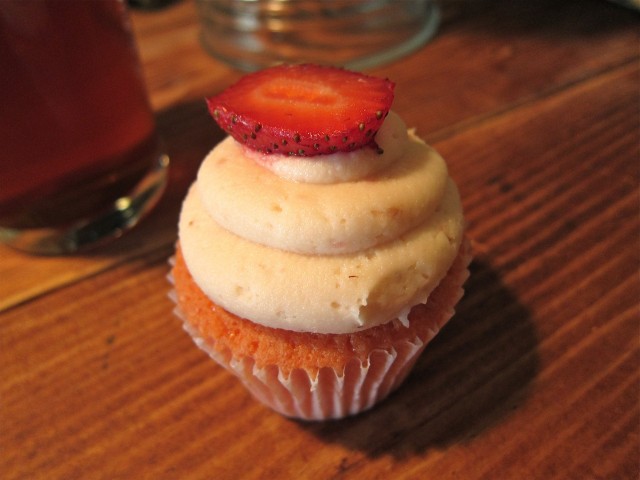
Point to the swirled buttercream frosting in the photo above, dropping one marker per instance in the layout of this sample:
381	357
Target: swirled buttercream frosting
328	244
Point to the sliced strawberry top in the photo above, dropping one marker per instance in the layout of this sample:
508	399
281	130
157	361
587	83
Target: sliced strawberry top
303	109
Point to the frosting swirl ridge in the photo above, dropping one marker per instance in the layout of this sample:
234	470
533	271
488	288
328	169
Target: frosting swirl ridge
323	218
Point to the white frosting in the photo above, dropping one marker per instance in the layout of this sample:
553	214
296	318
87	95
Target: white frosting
326	219
321	257
317	293
341	166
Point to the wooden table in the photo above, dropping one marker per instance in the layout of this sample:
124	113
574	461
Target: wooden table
535	105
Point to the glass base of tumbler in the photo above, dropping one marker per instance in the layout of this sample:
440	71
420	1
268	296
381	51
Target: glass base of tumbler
112	222
429	28
357	35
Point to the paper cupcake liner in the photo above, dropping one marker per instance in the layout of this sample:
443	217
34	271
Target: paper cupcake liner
329	393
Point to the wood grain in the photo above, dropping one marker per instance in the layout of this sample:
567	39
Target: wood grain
535	106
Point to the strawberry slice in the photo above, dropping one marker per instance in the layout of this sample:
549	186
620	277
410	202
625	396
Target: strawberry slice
303	109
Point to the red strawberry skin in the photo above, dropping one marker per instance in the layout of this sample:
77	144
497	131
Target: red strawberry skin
303	109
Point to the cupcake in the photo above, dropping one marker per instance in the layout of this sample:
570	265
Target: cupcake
322	244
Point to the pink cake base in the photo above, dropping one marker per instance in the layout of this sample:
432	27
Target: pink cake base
331	393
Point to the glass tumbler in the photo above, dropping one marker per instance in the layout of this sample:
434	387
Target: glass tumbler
81	161
356	34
